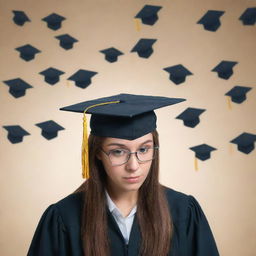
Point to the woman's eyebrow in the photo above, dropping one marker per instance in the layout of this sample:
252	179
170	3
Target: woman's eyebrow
122	145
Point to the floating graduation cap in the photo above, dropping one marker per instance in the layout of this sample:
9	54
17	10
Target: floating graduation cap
50	129
245	142
203	151
148	14
144	47
27	52
238	93
52	75
111	54
17	87
54	21
225	69
20	18
211	20
178	73
82	78
190	116
66	41
15	133
249	16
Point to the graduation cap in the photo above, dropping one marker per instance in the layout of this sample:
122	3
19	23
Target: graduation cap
20	18
238	93
144	47
245	142
178	73
124	116
211	20
203	151
52	75
225	69
190	116
50	129
15	133
17	87
27	52
148	14
111	54
66	41
82	78
249	16
54	21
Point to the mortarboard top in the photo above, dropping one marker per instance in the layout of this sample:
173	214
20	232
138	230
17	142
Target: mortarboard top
20	18
144	47
203	151
66	41
111	54
15	133
225	69
82	78
50	129
238	93
54	21
17	87
52	75
249	16
245	142
211	20
178	73
148	14
190	116
27	52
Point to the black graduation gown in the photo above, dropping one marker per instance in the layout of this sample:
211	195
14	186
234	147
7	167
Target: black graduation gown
58	232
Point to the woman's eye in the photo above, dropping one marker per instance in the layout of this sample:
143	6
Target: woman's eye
143	150
117	152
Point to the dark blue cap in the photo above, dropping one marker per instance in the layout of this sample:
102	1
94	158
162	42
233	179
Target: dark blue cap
27	52
54	21
203	151
111	54
148	14
82	77
238	93
15	133
245	142
249	16
49	129
225	69
144	47
190	116
20	18
17	87
52	75
211	20
66	41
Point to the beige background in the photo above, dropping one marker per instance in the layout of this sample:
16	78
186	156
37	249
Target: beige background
39	172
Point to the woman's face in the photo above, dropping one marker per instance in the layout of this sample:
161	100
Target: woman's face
118	175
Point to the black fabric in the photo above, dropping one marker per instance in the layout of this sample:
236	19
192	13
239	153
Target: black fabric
58	232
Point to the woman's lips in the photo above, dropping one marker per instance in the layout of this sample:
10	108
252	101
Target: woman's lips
132	179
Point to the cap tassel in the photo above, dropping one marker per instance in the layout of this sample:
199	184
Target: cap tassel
229	103
196	164
137	24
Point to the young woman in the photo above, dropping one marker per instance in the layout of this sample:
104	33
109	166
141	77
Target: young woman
122	209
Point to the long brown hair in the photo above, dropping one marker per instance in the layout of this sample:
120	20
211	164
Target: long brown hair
153	214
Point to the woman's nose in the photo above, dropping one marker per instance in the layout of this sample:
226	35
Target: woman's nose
132	163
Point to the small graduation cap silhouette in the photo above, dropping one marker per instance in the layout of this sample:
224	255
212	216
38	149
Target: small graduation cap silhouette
52	75
111	54
15	133
144	47
49	129
17	87
20	18
148	14
245	142
190	116
211	20
27	52
82	77
249	16
66	41
54	21
225	69
178	73
238	93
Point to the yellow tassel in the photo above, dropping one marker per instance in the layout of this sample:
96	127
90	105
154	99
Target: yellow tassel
137	24
229	103
196	164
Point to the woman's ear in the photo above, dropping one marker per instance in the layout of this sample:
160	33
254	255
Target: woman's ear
98	155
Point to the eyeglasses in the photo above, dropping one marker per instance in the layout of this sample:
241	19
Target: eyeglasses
121	156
